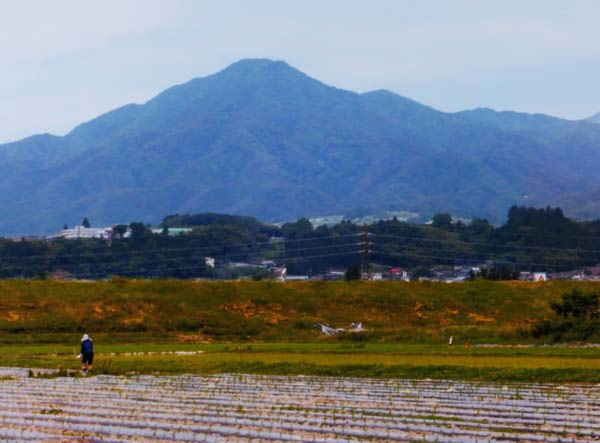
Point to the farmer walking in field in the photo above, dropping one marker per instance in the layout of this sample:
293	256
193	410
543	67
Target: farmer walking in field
86	354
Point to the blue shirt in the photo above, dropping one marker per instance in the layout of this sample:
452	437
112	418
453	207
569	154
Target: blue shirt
87	347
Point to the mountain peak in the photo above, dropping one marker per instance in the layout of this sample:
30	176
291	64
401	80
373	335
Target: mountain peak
249	66
253	73
263	139
246	63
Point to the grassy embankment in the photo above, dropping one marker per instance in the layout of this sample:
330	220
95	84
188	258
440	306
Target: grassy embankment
266	327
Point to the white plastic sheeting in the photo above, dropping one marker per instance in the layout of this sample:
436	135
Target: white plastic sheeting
240	408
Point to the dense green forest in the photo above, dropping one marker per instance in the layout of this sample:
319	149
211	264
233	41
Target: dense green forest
279	144
531	239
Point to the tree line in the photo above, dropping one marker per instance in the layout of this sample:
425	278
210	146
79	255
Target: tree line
530	240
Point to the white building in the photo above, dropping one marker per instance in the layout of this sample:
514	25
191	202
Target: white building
82	232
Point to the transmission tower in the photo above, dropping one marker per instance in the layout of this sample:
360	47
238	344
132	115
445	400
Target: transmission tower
365	268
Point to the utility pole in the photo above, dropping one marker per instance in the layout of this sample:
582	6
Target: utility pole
364	252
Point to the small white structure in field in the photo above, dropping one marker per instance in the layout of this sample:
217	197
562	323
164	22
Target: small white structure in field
327	330
357	327
540	276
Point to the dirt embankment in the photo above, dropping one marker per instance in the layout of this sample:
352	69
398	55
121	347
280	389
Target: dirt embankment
497	311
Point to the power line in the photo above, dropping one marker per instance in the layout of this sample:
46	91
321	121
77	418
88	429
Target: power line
438	257
184	268
245	254
112	253
458	241
366	250
165	261
161	250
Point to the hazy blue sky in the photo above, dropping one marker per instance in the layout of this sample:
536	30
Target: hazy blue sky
66	61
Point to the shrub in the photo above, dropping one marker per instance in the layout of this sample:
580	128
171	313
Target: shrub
578	318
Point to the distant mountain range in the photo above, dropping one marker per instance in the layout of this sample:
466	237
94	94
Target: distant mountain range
261	138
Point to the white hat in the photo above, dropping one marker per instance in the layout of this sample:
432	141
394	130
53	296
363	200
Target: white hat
85	337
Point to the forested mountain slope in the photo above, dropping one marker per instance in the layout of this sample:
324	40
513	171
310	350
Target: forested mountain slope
263	139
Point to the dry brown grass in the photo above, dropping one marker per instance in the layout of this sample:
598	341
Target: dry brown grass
274	311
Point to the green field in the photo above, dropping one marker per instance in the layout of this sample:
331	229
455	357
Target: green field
535	364
267	327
